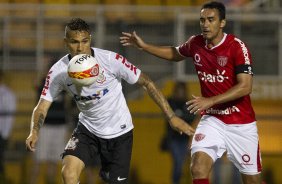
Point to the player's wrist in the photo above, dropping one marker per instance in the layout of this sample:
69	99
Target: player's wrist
172	115
34	131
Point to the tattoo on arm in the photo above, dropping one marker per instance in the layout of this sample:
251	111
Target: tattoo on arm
156	95
38	124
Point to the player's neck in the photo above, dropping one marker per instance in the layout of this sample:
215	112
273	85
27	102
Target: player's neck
215	41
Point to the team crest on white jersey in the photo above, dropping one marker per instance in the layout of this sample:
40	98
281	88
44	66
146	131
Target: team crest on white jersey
222	60
101	78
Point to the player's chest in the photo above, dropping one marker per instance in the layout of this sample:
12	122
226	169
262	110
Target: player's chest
212	60
214	65
97	90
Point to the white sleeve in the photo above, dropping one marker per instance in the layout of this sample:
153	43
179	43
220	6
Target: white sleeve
122	68
53	84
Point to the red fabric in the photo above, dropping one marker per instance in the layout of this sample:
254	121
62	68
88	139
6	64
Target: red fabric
217	70
200	181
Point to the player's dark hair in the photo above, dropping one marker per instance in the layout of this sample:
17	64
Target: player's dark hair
216	5
77	24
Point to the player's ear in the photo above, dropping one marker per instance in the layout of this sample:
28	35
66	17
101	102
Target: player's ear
65	40
222	23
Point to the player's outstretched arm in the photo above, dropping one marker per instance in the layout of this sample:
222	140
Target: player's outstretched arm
37	119
175	122
165	52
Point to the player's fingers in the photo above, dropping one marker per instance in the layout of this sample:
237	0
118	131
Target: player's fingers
126	44
190	102
195	110
32	146
126	34
123	41
192	106
124	38
27	144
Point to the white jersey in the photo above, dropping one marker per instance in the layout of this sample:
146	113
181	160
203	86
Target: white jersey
102	105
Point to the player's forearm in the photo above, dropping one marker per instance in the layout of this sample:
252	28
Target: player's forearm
233	93
37	119
165	52
159	99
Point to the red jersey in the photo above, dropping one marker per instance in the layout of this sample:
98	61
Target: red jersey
217	68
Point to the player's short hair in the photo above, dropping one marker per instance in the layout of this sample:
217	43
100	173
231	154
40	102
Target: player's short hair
218	6
77	24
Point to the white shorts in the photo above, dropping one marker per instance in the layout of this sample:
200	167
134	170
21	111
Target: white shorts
241	143
51	143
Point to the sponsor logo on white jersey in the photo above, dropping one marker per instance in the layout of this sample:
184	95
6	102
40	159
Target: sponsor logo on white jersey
95	96
47	84
126	63
206	77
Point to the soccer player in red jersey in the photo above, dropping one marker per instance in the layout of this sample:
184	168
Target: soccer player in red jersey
224	67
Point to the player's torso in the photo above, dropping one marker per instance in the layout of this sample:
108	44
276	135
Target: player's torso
102	105
214	67
216	72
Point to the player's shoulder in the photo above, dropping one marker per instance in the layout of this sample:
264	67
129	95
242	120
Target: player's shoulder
61	64
196	39
106	56
232	39
102	52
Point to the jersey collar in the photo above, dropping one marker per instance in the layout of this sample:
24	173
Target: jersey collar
222	40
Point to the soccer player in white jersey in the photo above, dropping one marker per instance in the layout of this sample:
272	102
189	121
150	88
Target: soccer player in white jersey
224	67
105	124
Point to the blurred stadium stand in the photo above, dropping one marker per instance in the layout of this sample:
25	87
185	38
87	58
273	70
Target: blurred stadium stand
35	28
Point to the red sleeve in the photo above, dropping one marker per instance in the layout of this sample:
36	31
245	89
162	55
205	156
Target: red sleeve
242	54
185	48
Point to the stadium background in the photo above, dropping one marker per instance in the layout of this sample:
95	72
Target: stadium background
30	30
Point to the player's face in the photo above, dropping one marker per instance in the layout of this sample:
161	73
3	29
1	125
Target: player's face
211	25
78	42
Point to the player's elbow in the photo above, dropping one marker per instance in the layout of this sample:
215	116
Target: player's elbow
175	56
246	90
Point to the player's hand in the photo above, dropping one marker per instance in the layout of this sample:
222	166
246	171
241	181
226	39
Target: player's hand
198	104
31	141
181	126
132	39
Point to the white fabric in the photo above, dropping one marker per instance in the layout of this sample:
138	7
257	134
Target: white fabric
104	111
214	137
7	110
